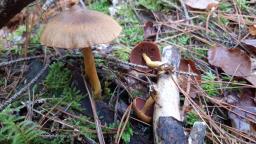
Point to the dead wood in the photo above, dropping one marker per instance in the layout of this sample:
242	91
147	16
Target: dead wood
9	8
167	125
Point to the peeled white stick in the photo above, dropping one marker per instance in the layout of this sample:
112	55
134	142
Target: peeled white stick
166	120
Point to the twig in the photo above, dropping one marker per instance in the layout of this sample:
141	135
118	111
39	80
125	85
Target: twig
185	11
120	127
82	3
16	95
20	59
96	119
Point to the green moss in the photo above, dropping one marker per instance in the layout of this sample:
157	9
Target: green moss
224	21
58	77
153	5
181	40
17	130
128	132
122	53
242	4
58	83
191	118
209	86
225	6
100	5
35	38
132	30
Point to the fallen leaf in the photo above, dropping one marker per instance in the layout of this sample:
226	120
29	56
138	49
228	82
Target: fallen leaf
149	31
252	30
184	79
201	4
244	112
252	77
231	61
250	45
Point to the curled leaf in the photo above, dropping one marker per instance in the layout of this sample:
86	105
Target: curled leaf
250	45
201	4
231	61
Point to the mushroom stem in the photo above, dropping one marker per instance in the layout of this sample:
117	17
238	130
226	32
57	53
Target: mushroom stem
150	63
91	73
149	103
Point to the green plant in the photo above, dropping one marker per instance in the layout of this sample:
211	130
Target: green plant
127	134
17	34
225	6
208	85
85	128
224	21
2	81
35	38
200	52
191	118
151	4
17	130
58	77
132	30
181	40
242	4
122	53
107	90
100	5
58	83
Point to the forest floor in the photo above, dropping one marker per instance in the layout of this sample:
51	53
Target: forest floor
43	94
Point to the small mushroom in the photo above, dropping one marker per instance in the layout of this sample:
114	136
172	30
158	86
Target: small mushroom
81	28
145	53
144	108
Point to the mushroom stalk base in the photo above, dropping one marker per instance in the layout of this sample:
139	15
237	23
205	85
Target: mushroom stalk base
91	73
166	120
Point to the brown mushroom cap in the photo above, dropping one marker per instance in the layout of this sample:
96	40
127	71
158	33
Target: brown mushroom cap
150	49
138	105
79	28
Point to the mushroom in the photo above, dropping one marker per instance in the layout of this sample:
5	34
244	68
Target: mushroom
81	28
145	53
144	108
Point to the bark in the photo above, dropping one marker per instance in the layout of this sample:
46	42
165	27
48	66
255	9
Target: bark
166	121
9	8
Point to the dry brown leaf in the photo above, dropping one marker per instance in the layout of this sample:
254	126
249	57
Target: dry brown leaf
252	77
232	61
252	30
183	79
250	45
243	114
149	31
201	4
